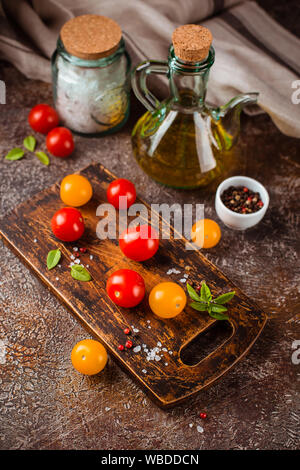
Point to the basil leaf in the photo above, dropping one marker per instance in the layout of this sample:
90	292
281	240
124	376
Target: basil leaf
218	308
205	293
201	307
192	293
80	273
53	258
43	158
219	316
15	154
224	298
29	143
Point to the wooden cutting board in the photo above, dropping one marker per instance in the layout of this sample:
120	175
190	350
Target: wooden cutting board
168	380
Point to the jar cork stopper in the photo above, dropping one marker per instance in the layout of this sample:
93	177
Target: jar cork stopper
91	37
191	42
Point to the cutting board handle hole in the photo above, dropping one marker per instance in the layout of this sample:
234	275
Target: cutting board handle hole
206	342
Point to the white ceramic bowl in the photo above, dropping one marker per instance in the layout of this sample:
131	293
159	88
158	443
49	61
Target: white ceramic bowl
233	219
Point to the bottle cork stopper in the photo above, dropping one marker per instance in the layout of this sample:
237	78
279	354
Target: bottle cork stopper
91	37
191	42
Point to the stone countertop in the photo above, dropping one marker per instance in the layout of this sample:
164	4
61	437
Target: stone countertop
46	404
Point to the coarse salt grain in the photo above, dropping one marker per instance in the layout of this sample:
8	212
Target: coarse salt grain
173	271
200	429
72	257
149	327
186	276
57	278
183	280
91	256
166	363
158	344
137	349
75	248
144	371
157	358
191	425
35	240
107	408
135	330
77	261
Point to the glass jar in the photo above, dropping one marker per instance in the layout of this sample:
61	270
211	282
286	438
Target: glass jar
91	96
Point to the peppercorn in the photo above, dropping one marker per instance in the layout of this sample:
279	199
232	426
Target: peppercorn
203	415
128	344
127	331
121	347
241	200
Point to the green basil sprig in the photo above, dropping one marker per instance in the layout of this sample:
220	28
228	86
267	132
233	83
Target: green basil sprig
29	143
204	302
15	154
43	158
80	273
53	258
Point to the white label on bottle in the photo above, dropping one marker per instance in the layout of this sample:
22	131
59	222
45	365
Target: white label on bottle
203	145
155	140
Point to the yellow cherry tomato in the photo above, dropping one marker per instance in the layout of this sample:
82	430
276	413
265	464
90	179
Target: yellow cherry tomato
75	190
167	299
89	357
206	233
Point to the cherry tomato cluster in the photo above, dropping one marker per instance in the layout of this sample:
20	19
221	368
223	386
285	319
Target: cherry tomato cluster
44	119
67	223
88	356
125	287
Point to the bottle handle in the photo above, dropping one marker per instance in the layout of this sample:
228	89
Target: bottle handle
139	78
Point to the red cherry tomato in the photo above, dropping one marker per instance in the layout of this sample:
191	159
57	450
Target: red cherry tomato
42	118
60	142
121	187
139	243
67	224
126	288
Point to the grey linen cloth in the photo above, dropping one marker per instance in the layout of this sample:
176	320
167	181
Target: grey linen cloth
253	52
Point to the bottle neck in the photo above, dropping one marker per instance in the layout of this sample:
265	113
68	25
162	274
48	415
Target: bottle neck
188	81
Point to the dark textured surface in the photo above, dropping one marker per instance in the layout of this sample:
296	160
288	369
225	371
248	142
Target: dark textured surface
46	404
